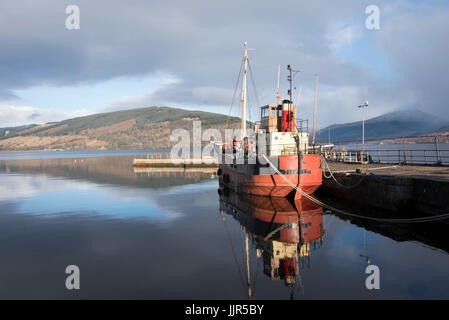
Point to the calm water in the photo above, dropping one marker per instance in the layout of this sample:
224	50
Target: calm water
162	235
7	155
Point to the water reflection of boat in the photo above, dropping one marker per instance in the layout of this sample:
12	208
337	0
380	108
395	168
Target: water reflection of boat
283	233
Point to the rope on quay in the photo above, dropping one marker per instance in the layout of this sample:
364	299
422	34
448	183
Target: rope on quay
336	181
378	168
399	220
326	165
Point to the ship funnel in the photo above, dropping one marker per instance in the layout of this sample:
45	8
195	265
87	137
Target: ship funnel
287	116
286	104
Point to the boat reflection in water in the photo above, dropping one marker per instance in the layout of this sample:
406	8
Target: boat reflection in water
283	233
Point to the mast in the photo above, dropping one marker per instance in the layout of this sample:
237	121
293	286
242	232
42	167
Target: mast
289	91
289	78
247	266
244	88
279	79
291	73
314	109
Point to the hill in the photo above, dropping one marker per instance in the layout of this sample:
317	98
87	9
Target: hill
10	131
128	129
396	124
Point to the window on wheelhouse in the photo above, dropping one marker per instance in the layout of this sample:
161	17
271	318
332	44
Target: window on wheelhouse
264	112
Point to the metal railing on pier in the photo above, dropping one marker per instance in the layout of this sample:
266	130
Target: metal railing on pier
159	155
413	157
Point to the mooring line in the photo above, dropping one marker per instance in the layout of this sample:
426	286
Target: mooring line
335	179
347	171
399	220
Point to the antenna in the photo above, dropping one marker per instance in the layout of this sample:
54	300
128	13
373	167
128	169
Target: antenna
314	109
290	76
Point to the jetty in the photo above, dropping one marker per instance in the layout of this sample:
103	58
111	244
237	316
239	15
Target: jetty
164	161
141	169
412	189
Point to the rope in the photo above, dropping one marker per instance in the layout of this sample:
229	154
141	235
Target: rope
380	168
405	220
347	171
233	97
232	247
326	226
253	83
371	169
336	181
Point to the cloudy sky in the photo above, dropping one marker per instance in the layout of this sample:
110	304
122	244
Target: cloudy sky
187	54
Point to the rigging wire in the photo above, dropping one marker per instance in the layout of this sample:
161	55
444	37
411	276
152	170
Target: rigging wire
253	83
236	88
298	103
254	87
232	248
242	258
235	91
256	275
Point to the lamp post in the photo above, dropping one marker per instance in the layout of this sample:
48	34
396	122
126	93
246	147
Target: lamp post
363	106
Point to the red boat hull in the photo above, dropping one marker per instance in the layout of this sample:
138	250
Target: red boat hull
308	178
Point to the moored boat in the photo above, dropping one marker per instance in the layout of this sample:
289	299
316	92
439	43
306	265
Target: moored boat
284	145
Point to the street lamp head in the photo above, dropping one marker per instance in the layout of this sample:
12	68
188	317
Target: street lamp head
363	105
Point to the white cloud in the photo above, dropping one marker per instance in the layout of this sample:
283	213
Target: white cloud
17	186
200	44
344	36
141	100
11	115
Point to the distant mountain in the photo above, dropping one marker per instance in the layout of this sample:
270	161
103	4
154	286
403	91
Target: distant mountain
391	125
128	129
150	128
9	131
